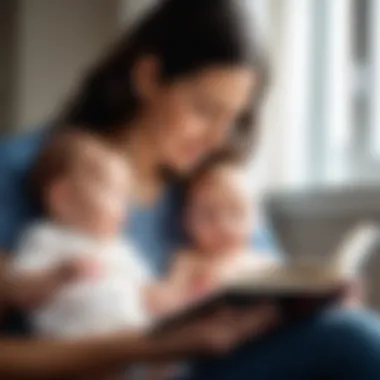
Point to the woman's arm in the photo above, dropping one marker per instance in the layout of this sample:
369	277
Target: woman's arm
2	287
67	359
45	359
49	359
55	359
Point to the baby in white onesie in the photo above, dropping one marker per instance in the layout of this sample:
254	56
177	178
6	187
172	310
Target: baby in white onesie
83	186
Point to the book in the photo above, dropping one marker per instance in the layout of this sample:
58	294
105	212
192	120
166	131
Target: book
298	287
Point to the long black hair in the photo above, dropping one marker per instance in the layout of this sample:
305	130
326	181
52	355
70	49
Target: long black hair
185	36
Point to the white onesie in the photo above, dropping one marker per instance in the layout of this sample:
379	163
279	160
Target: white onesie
107	302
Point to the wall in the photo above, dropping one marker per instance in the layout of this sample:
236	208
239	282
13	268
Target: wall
132	10
7	35
56	41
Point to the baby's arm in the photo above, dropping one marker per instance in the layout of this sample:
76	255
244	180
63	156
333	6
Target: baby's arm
33	276
35	273
180	270
168	294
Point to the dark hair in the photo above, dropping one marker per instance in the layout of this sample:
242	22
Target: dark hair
186	36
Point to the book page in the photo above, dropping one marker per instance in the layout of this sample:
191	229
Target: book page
314	273
355	248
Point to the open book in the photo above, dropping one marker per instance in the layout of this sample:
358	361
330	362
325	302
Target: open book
298	287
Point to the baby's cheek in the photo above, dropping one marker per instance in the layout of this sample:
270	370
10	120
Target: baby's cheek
110	208
204	233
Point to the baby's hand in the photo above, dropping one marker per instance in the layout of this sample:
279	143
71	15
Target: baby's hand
80	268
202	284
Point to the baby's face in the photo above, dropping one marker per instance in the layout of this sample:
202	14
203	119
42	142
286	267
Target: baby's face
219	213
96	192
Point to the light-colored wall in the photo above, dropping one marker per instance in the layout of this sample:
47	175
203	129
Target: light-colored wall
56	41
132	10
7	26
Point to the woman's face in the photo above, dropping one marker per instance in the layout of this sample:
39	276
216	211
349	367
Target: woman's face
194	116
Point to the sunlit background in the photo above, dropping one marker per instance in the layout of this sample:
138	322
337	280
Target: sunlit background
322	120
321	123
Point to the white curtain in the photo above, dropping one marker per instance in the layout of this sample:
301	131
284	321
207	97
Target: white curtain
307	124
373	77
282	155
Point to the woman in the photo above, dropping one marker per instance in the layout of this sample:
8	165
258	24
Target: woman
184	85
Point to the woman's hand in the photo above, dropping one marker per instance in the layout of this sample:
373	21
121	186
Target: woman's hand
224	330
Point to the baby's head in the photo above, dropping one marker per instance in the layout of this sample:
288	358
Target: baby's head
83	184
219	208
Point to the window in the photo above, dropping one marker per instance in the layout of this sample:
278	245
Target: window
324	116
367	59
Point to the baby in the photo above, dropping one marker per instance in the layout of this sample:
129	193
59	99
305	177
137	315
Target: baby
218	221
83	187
